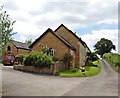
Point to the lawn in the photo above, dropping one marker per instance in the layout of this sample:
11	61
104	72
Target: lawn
77	72
114	60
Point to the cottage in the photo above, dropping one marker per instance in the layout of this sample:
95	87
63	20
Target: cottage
60	42
16	47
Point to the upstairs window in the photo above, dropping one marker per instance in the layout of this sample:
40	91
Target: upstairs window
51	51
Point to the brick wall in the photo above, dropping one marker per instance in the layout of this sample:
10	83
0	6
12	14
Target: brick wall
23	51
13	50
73	40
52	42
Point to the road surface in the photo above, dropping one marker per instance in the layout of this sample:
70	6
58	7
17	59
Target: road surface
17	83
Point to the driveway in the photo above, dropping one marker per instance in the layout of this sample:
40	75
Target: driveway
17	83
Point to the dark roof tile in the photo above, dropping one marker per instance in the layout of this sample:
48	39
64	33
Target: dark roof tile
20	45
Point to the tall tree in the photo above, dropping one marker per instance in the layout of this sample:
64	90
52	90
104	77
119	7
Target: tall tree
6	28
103	46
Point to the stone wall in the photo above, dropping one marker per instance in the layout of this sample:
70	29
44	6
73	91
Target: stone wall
52	69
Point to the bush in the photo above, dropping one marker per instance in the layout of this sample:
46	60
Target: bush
92	56
38	59
20	58
113	60
89	63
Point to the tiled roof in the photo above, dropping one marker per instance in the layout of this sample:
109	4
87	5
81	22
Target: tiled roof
20	45
82	42
60	38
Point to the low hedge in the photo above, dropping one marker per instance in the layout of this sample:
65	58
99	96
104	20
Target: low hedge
37	59
114	60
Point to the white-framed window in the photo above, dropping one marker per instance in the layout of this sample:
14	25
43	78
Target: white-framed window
51	52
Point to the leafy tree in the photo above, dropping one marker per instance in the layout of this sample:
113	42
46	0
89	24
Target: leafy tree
46	50
104	46
6	28
28	41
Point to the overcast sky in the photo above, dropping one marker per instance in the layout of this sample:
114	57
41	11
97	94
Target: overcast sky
90	19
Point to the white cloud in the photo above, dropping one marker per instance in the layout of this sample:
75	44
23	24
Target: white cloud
27	30
92	38
33	17
109	21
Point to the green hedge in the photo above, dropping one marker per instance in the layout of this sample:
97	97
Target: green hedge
37	59
114	60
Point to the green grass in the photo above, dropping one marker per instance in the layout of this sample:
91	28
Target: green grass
91	70
76	72
114	60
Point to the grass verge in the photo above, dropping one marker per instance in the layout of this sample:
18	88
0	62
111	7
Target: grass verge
77	72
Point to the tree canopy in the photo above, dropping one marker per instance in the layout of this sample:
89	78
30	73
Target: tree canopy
6	27
104	46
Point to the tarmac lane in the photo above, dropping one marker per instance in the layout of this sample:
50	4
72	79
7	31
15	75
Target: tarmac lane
18	83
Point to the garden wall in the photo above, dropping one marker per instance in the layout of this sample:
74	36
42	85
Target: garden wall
52	69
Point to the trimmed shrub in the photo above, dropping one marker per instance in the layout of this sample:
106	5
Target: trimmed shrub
38	59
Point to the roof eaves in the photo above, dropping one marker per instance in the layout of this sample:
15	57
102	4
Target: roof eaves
23	48
84	44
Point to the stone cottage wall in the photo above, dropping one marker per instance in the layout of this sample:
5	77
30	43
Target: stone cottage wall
52	69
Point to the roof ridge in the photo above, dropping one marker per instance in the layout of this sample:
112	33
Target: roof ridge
19	41
20	45
84	44
67	29
54	34
49	29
